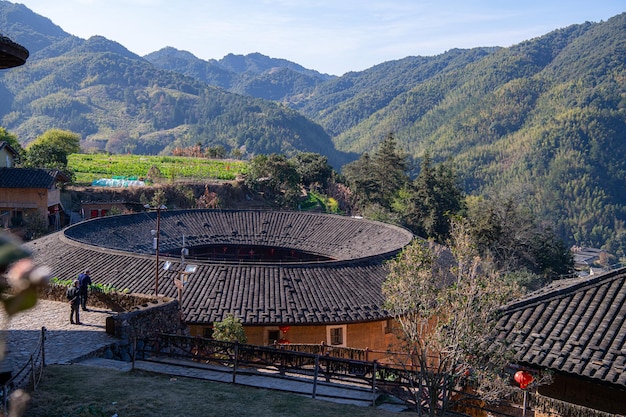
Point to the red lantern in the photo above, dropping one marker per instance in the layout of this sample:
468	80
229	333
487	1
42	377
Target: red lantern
283	341
283	329
523	378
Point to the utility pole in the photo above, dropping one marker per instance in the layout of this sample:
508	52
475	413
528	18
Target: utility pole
156	268
156	240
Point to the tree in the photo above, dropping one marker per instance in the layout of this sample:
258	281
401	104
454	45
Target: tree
391	167
361	180
230	329
378	178
45	156
63	140
506	231
159	199
216	152
313	168
51	150
276	177
446	301
432	198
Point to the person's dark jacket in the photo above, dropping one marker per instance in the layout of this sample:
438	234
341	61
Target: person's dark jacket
84	281
73	294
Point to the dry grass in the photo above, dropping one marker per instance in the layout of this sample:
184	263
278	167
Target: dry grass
77	391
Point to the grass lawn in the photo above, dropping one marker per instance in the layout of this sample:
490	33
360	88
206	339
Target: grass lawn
77	391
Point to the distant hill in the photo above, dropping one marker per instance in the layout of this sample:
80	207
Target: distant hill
546	117
120	102
253	75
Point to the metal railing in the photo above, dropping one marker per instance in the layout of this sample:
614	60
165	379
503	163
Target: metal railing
28	376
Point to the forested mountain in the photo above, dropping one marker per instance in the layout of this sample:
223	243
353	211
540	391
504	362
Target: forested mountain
253	75
546	117
119	102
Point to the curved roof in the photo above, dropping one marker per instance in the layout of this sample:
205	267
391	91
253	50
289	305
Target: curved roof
344	287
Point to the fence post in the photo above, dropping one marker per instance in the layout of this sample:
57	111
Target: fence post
33	374
315	374
43	350
281	369
5	393
235	361
374	371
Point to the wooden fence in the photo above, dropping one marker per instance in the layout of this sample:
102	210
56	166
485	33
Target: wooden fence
313	363
238	359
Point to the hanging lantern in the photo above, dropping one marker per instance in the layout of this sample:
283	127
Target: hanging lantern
283	329
283	341
523	378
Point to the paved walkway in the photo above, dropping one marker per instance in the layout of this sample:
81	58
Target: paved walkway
75	344
65	342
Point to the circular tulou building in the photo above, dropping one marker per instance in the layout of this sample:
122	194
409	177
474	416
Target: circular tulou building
305	277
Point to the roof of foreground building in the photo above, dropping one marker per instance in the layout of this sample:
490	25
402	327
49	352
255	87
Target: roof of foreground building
11	54
327	268
575	326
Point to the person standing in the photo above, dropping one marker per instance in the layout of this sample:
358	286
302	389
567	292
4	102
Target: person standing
73	294
84	281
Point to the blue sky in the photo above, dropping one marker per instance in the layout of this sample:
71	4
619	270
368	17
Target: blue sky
330	36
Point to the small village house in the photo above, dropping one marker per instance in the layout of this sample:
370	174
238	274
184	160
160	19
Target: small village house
8	155
31	191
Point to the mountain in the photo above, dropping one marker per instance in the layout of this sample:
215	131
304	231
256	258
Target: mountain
545	118
253	75
120	102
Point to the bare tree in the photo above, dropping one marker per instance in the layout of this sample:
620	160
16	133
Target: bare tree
446	301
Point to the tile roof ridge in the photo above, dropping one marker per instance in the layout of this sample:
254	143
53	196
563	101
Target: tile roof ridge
560	289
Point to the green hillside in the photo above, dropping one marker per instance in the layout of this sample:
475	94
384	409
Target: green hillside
119	102
545	119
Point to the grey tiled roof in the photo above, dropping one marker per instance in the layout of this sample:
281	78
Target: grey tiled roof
118	251
575	326
29	177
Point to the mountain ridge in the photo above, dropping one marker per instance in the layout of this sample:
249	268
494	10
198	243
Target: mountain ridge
545	118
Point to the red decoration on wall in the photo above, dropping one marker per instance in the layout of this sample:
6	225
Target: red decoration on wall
283	329
523	378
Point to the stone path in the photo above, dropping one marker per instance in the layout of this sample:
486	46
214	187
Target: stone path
65	342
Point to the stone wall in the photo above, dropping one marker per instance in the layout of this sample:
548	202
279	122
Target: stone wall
137	315
147	319
114	301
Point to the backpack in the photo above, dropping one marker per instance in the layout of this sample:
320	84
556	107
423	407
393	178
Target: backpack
72	293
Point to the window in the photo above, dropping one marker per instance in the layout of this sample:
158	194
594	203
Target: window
17	219
336	335
389	326
273	336
207	332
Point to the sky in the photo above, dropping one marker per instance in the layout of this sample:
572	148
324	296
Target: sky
329	36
